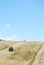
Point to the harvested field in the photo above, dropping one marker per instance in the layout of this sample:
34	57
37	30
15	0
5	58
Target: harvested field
24	53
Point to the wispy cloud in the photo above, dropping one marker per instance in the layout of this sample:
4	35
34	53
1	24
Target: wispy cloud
8	25
13	37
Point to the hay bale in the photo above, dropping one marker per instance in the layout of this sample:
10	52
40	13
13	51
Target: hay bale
11	49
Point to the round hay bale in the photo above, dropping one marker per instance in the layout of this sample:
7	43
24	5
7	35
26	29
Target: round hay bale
11	49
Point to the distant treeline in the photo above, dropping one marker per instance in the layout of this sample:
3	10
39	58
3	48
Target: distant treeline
0	39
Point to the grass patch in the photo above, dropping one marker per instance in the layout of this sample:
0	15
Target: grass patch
3	46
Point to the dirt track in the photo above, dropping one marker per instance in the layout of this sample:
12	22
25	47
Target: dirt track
39	59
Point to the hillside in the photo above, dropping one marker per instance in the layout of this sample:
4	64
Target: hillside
24	53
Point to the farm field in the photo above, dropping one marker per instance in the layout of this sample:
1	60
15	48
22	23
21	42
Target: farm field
24	53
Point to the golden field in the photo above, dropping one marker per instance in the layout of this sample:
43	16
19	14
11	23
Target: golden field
24	53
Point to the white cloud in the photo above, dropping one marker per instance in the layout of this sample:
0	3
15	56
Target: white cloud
1	37
8	38
8	25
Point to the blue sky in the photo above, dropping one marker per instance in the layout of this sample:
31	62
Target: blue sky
22	20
